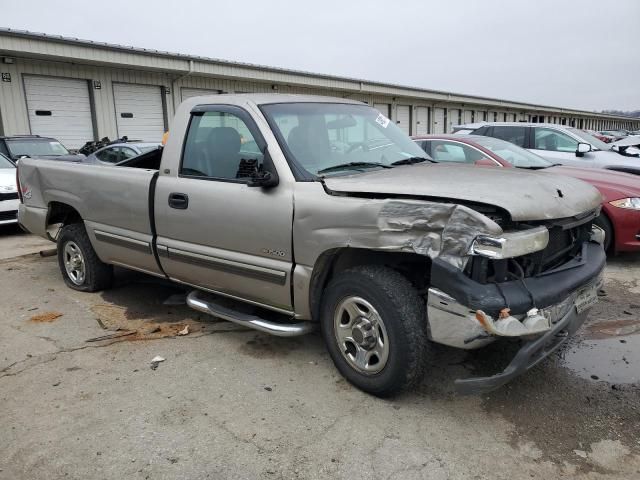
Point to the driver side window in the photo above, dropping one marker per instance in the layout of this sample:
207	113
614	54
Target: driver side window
554	141
219	145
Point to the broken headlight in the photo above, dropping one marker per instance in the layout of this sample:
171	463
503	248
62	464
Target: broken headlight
511	244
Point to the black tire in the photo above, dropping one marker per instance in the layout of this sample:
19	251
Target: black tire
605	224
97	275
403	313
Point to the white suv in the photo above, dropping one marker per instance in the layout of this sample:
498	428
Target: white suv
559	144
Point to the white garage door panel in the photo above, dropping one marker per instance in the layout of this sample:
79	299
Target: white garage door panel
454	118
139	112
196	92
382	108
467	116
438	120
422	120
68	101
403	118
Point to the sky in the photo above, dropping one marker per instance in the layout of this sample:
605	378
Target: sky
567	53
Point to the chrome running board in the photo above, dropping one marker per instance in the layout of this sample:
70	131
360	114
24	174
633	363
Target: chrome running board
196	301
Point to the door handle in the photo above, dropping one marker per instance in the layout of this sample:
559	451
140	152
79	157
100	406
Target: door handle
179	201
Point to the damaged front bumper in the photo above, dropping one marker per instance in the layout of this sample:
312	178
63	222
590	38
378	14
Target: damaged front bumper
547	309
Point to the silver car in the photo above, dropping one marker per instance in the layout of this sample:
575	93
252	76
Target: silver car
559	144
117	152
8	191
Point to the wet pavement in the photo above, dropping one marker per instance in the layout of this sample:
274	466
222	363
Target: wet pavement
232	403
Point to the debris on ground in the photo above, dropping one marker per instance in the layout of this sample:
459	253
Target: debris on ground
156	361
46	317
48	253
184	331
111	336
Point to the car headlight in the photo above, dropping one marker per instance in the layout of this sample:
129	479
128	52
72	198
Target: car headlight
511	244
632	203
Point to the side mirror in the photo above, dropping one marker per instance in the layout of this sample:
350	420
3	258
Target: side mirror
265	175
582	149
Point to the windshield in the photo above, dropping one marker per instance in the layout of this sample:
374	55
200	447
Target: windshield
330	138
599	144
34	148
5	162
516	156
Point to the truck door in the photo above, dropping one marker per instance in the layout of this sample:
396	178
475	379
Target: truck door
214	230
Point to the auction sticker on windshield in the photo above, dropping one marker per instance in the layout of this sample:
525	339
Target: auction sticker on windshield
382	120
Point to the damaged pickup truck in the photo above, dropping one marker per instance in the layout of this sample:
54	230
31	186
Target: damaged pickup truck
284	212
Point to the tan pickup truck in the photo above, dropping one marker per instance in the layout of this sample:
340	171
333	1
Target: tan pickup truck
321	211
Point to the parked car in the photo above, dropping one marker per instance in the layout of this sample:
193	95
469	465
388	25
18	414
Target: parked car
614	134
386	251
35	146
620	216
560	144
629	146
8	191
600	136
118	152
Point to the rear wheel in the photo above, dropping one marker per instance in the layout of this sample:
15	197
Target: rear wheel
374	325
80	266
605	224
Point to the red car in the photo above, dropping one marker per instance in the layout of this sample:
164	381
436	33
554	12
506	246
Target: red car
620	217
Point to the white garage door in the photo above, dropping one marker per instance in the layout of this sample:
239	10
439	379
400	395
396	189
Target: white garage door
479	116
454	118
197	92
403	118
59	108
139	111
438	120
422	120
382	108
467	116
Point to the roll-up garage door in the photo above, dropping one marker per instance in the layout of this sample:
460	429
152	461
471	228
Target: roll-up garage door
59	108
382	108
197	92
403	118
454	119
438	120
467	116
422	120
139	111
479	116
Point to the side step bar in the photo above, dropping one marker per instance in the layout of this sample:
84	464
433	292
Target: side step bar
195	301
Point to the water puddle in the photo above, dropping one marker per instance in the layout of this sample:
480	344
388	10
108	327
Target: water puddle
609	351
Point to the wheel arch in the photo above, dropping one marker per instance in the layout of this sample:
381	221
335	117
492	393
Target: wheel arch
415	267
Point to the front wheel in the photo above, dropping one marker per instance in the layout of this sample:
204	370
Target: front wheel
374	325
80	266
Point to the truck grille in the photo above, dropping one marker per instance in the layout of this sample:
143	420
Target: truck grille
564	245
9	196
8	215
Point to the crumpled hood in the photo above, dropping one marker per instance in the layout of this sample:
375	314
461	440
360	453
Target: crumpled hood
525	195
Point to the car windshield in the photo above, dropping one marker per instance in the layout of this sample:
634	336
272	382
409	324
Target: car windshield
516	156
5	162
332	138
599	144
34	148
